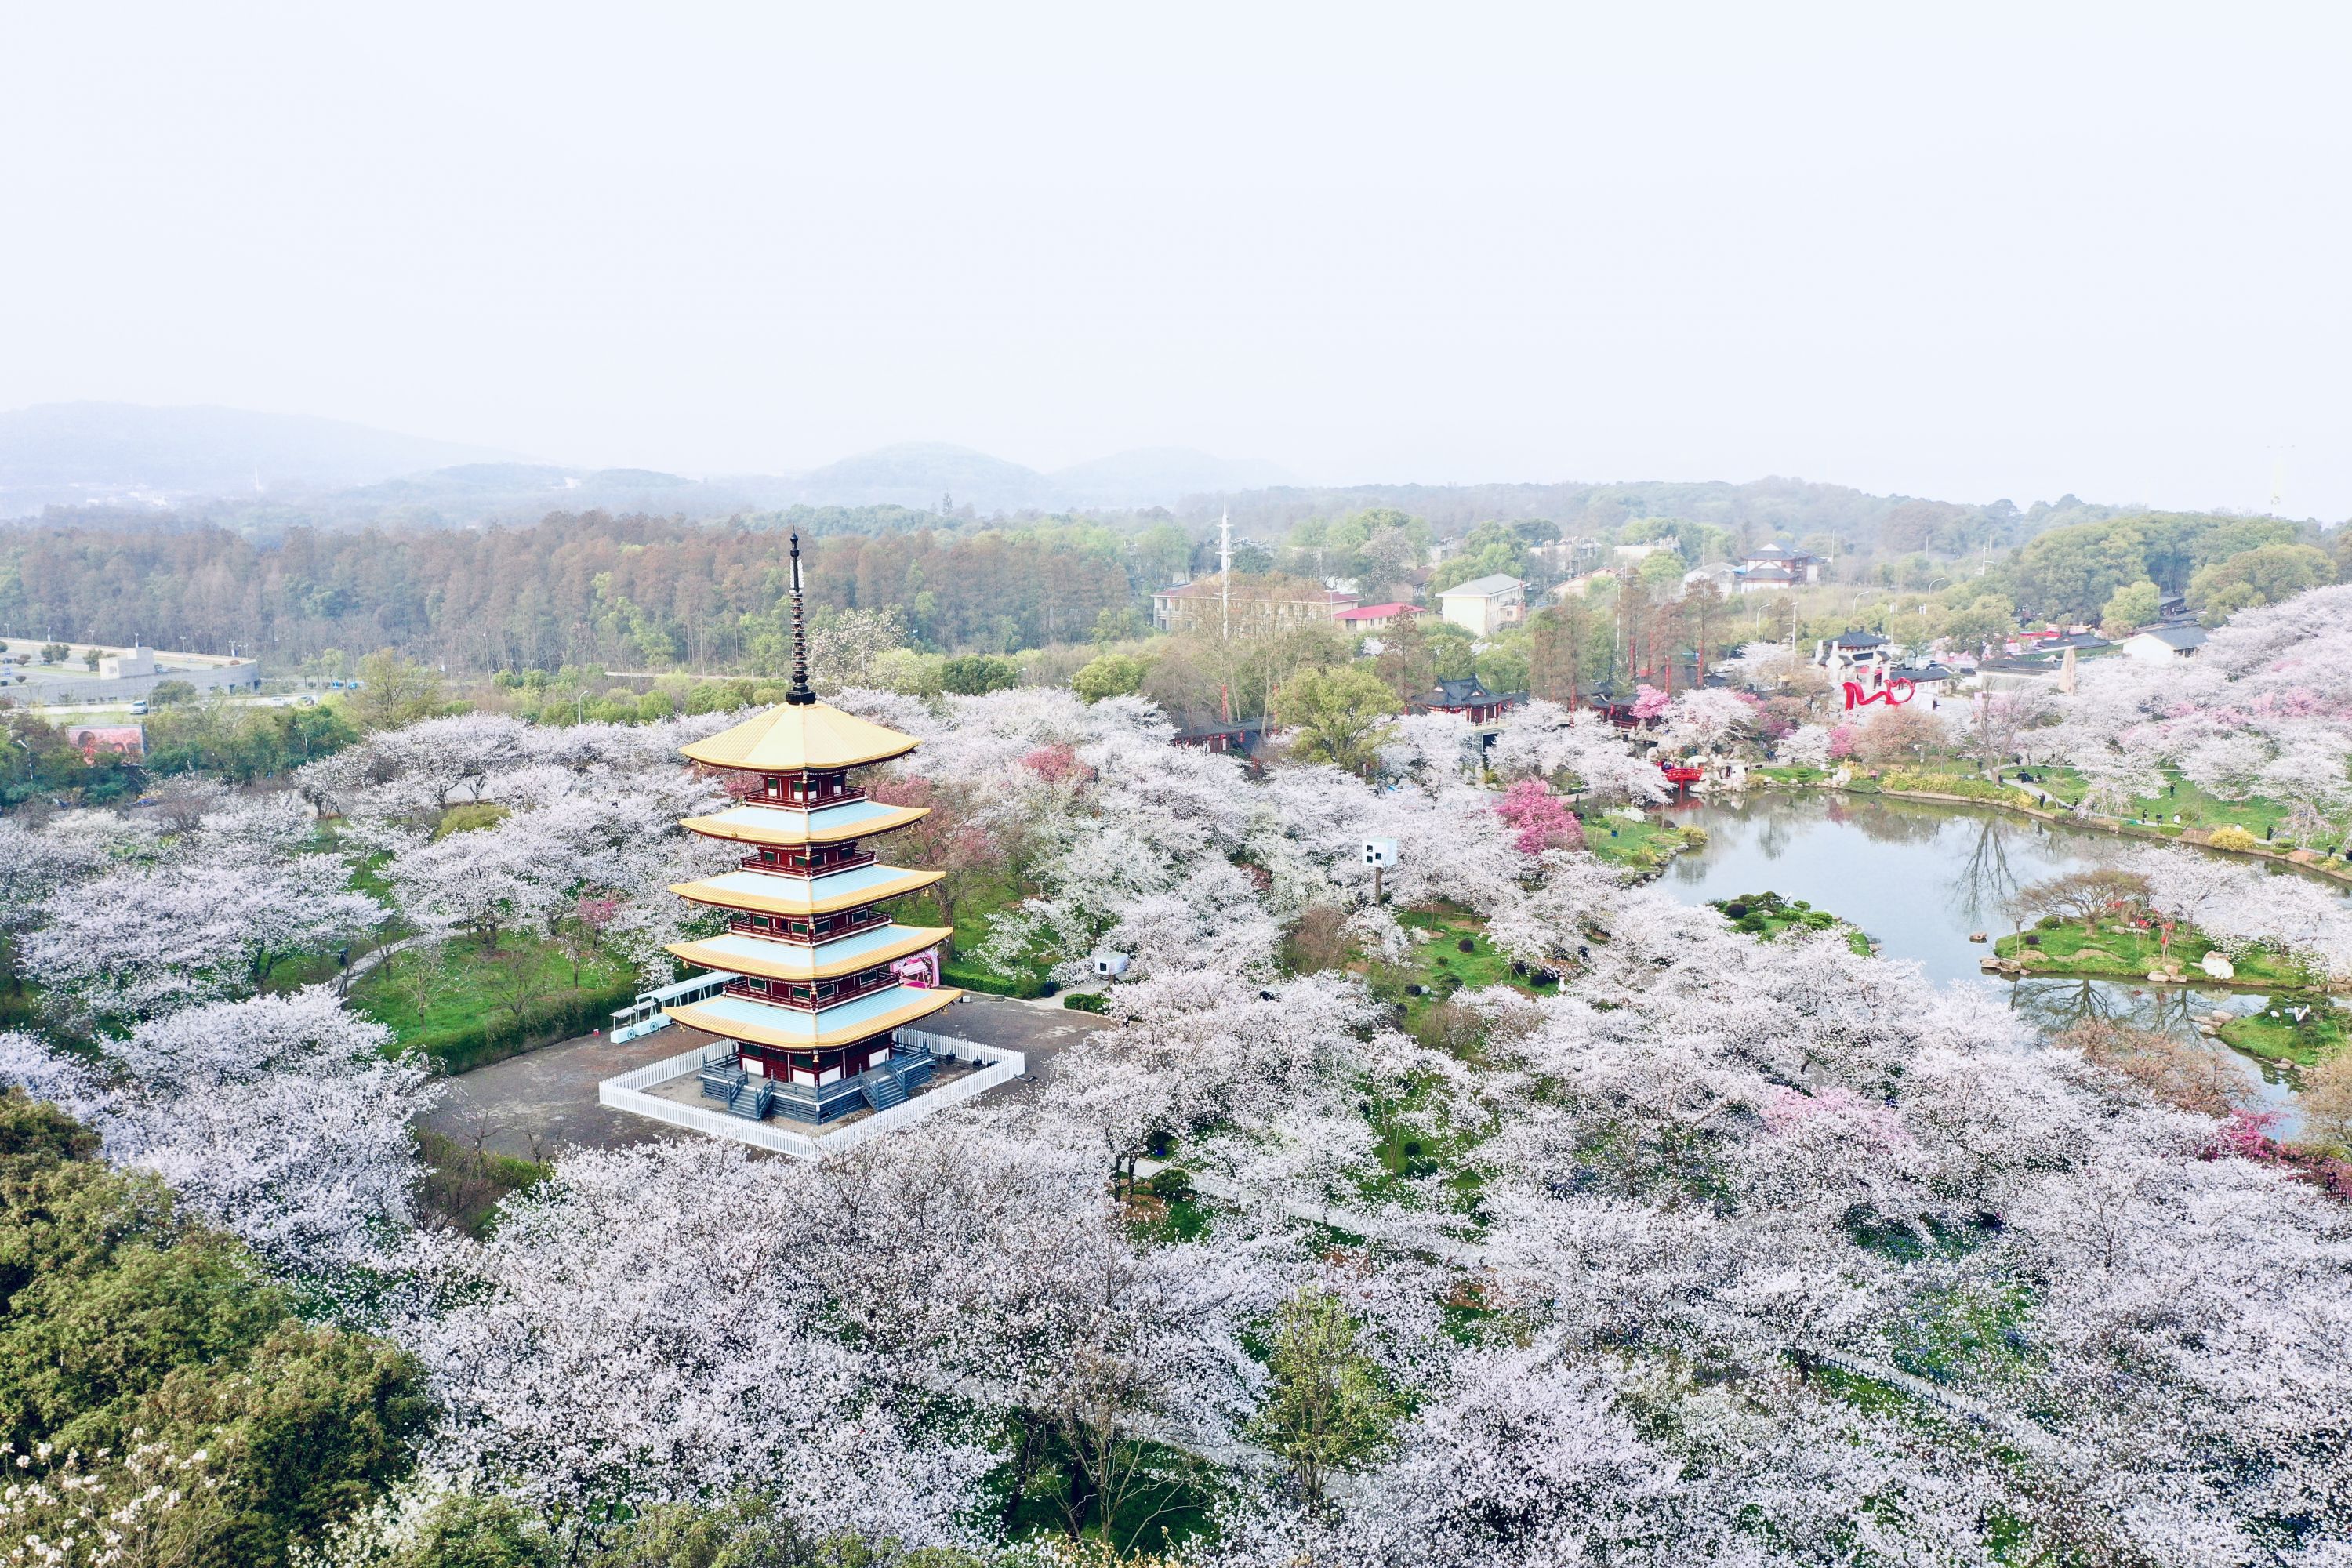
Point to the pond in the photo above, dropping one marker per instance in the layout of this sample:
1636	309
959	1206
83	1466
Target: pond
1920	878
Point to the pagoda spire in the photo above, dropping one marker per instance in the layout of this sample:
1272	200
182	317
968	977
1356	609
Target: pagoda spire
799	695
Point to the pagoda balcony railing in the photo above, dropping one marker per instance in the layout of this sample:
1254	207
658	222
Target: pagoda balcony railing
847	863
808	802
845	924
781	995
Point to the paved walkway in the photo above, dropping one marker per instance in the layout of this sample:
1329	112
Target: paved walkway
531	1105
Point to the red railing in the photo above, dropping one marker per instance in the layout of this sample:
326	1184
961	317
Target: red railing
779	993
843	797
845	924
845	863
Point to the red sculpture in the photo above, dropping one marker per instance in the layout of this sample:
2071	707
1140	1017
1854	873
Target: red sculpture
1895	693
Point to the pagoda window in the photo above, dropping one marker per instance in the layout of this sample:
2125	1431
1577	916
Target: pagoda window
800	928
799	992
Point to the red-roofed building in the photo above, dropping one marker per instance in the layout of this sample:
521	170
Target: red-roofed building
1376	617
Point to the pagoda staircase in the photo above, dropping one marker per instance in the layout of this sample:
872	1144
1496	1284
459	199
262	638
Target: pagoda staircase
882	1088
743	1094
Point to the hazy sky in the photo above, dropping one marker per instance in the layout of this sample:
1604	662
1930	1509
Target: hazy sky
1960	251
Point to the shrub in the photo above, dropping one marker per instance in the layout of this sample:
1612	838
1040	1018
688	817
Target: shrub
1171	1185
965	976
1109	674
975	675
495	1039
2048	923
1086	1002
2233	837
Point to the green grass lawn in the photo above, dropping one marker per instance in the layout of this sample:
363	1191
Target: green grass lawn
472	985
1643	844
1457	957
2196	807
2275	1033
1409	1152
2125	953
1766	915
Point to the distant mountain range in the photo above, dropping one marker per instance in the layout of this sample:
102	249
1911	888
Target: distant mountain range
266	468
62	454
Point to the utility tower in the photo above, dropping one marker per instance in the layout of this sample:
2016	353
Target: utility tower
1226	570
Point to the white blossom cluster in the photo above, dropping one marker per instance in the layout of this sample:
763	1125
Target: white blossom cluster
2265	707
1741	1252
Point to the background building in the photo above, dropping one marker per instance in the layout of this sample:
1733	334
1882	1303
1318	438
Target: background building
1259	603
1486	605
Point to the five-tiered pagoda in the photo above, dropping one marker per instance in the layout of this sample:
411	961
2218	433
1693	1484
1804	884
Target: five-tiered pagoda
822	978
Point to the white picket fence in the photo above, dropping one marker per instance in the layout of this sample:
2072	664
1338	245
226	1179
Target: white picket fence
628	1092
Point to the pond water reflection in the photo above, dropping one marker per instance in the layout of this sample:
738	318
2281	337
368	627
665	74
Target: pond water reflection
1919	879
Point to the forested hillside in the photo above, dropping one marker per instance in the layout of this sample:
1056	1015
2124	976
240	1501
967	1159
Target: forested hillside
1850	521
635	593
624	593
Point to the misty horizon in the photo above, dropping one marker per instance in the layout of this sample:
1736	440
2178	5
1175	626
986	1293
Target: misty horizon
1983	259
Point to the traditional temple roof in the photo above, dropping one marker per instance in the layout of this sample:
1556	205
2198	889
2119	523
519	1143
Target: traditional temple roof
791	1028
791	737
769	893
764	824
772	959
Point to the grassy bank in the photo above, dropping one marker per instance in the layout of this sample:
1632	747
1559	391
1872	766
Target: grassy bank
2277	1034
1643	846
2125	953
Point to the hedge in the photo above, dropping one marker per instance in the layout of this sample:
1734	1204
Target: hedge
504	1034
967	977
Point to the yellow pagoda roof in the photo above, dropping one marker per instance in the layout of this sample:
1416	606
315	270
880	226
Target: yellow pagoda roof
771	893
793	737
792	1029
788	825
772	959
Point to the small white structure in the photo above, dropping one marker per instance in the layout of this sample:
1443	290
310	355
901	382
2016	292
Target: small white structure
2162	645
1381	852
1485	604
136	661
1109	965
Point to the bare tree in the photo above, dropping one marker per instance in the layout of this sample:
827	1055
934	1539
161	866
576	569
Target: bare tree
2080	896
